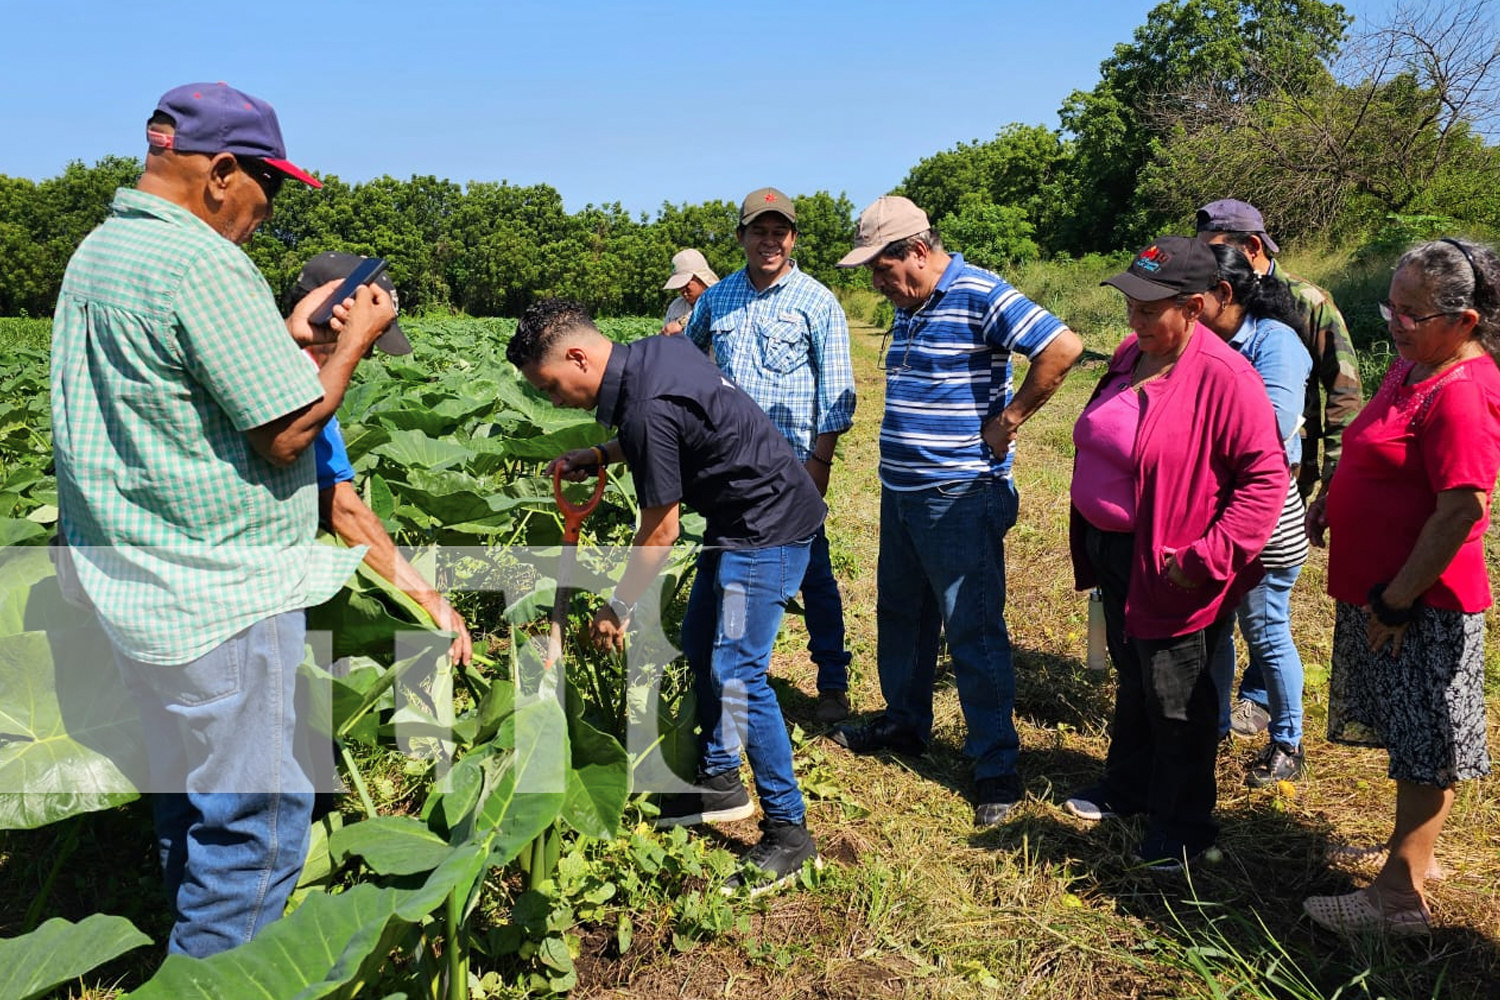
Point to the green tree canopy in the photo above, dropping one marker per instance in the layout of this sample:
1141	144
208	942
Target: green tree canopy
1247	47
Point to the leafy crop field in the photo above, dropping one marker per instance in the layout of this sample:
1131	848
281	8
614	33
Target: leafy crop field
470	887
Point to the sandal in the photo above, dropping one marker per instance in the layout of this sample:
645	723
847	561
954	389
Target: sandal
1372	857
1355	914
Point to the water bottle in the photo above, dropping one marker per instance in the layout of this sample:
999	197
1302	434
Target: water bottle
1098	657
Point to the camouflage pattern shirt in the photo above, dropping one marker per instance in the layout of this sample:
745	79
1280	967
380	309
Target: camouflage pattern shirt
1334	395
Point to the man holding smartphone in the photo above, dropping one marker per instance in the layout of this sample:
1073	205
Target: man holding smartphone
182	419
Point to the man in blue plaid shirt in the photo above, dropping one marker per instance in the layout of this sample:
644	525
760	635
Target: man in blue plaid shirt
782	336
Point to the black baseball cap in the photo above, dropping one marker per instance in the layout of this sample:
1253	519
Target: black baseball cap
1171	265
334	266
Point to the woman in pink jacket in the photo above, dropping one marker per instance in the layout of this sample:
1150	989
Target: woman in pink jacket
1178	479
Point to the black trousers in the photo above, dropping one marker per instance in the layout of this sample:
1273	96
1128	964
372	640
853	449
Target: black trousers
1165	734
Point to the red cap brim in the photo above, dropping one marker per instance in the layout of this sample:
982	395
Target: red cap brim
295	172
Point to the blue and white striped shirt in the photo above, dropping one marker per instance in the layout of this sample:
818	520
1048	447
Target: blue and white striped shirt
787	347
948	370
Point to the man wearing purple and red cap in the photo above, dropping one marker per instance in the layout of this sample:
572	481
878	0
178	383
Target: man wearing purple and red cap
183	417
1335	365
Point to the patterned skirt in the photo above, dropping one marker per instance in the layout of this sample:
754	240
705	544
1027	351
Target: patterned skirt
1426	707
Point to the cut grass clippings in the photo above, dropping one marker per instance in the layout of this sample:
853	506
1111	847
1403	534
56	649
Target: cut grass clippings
1048	906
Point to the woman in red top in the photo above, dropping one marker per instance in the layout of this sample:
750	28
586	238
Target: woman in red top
1406	514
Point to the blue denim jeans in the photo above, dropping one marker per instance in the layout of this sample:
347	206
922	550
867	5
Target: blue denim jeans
1273	678
733	615
824	609
232	804
942	564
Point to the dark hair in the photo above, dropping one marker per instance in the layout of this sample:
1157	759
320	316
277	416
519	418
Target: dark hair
1462	274
543	324
901	249
1264	296
1235	238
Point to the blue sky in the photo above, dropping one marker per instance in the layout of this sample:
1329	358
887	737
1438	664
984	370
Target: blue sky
638	103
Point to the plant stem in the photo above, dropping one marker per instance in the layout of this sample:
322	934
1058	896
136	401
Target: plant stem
535	874
64	851
359	781
458	949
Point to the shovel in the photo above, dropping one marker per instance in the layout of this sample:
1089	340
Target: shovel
573	517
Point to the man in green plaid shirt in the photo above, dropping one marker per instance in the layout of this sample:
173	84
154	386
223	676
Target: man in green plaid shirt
182	417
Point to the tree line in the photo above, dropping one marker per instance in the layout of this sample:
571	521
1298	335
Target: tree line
485	249
1340	136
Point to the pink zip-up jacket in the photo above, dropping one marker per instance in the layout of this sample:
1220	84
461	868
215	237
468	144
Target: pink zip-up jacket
1210	481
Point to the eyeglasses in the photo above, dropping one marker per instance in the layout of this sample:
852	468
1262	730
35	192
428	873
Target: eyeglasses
1402	320
269	178
914	326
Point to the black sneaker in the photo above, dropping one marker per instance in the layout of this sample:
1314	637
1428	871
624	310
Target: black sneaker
833	706
1277	762
994	798
783	849
1163	856
878	735
718	799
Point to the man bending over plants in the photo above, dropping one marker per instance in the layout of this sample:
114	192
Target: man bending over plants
692	436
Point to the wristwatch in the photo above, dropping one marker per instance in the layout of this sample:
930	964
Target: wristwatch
620	608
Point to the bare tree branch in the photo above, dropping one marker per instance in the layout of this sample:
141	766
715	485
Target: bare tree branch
1403	104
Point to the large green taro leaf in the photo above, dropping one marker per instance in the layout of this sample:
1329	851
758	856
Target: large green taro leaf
392	845
448	497
329	947
70	739
527	793
548	446
413	448
61	950
454	498
26	605
20	531
411	417
598	781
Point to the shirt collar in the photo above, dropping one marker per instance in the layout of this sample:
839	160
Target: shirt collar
950	273
612	387
945	280
790	271
133	202
1245	332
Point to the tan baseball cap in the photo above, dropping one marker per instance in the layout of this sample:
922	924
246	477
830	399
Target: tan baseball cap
687	265
889	219
763	200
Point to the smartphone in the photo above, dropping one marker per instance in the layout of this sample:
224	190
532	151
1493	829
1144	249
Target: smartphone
368	270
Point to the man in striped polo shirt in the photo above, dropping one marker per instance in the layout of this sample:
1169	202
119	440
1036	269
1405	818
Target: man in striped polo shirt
947	497
782	336
183	417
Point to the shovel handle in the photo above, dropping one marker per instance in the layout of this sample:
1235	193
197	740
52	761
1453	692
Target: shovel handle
574	514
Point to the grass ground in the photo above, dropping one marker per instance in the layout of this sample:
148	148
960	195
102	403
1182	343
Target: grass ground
918	904
914	902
